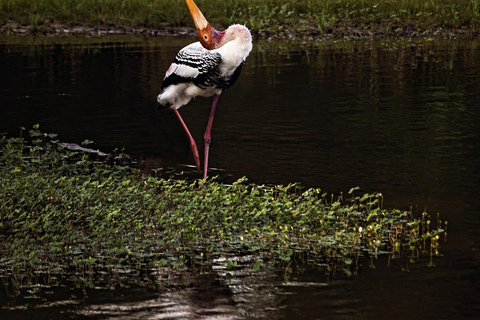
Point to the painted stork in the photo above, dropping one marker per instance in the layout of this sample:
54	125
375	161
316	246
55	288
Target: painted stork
205	68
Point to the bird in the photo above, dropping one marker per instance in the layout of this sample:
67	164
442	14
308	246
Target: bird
205	68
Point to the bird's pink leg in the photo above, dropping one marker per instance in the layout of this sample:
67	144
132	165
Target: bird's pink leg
192	142
208	137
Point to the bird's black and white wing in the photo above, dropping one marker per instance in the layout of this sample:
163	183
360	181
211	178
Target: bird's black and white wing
195	71
193	64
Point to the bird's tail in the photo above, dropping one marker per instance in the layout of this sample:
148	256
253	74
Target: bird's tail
164	103
173	97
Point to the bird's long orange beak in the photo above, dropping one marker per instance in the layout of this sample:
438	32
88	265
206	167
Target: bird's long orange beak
197	15
207	35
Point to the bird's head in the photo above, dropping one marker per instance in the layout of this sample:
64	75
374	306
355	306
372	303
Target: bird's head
207	35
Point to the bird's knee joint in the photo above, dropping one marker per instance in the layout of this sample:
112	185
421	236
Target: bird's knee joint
207	139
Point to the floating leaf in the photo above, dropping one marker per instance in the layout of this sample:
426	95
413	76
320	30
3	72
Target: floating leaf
258	264
231	264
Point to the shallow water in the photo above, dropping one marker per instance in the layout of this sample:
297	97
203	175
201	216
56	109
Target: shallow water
394	116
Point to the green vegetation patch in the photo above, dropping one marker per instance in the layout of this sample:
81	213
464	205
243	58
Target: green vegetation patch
268	17
60	210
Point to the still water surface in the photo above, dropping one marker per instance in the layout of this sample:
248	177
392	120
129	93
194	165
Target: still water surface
399	117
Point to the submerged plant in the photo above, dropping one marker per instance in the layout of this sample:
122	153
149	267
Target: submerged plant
61	211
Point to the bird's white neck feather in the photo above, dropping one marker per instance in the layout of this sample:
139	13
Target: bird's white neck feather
235	45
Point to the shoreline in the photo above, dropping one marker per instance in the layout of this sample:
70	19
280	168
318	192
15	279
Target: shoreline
346	29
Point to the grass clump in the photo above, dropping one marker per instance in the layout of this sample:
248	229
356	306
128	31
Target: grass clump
279	17
61	211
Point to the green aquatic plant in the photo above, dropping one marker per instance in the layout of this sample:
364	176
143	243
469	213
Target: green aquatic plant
64	211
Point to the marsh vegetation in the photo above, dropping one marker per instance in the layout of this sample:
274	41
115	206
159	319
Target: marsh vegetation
68	214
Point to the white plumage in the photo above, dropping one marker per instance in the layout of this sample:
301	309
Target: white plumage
197	71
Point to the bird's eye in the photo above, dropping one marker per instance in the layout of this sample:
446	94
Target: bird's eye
206	37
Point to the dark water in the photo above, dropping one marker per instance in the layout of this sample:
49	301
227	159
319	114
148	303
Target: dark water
396	116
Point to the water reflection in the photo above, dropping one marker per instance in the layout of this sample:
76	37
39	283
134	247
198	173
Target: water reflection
324	114
396	116
209	300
